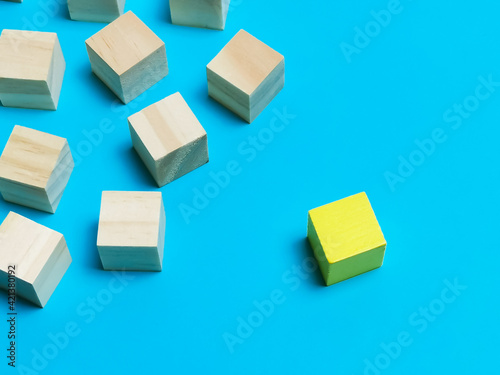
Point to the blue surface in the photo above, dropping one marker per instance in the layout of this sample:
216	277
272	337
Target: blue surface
348	125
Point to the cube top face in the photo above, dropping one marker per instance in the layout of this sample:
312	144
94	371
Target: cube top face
130	219
124	43
26	54
26	244
167	126
347	227
245	62
30	156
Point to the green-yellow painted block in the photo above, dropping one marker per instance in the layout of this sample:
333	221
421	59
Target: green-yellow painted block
346	238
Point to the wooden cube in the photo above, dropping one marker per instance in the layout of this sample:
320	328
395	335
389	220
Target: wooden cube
35	168
95	10
32	69
169	139
38	255
131	232
346	238
209	14
128	57
246	76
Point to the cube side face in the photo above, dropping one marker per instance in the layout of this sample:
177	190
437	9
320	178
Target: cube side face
105	73
161	235
60	177
12	88
144	75
23	289
245	62
175	164
129	219
144	153
267	91
52	273
43	101
356	265
318	251
25	195
56	74
209	14
95	10
121	6
225	10
115	258
228	95
182	161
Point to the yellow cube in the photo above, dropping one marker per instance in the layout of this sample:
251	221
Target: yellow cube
346	238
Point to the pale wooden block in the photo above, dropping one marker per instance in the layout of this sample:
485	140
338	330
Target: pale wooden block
35	168
128	57
95	10
169	139
32	69
209	14
40	255
246	76
131	233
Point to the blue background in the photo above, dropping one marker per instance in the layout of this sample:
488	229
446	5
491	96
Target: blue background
353	121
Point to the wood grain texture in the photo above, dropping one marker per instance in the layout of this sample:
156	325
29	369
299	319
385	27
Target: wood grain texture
131	231
246	75
346	238
32	69
169	139
128	57
209	14
95	10
35	168
40	255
